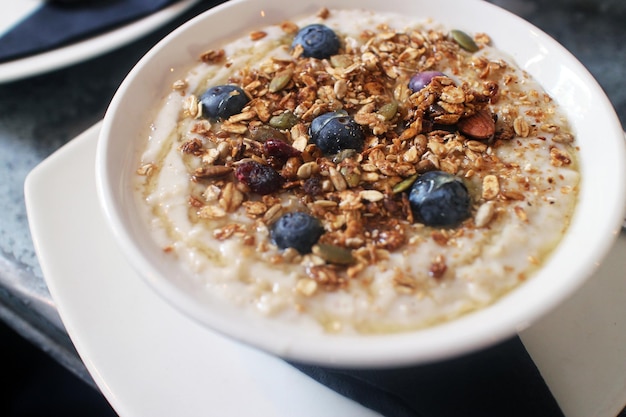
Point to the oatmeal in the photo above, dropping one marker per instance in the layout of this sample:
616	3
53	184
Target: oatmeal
358	172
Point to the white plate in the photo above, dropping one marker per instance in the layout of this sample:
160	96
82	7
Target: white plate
598	213
149	360
79	51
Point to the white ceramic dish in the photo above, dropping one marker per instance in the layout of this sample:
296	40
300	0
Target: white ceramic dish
80	51
597	218
150	360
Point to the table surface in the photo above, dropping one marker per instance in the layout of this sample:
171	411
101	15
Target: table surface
40	114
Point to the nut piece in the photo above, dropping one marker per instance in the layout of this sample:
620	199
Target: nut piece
307	169
438	267
479	126
485	213
371	195
337	179
212	171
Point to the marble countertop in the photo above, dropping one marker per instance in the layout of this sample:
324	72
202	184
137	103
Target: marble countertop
40	114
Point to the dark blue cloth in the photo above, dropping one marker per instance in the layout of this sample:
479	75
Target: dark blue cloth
495	382
55	25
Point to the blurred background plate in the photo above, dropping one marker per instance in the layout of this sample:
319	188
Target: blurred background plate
12	12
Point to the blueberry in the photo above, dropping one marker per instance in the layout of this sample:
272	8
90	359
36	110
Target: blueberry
335	131
439	199
296	230
222	101
422	79
261	179
317	41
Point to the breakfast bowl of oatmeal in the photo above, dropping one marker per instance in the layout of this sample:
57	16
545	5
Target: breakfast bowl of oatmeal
348	184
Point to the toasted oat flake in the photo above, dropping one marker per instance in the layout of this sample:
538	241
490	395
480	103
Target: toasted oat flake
559	157
521	213
272	214
339	182
145	169
289	27
231	198
521	127
192	107
491	187
563	137
212	56
255	208
211	212
179	85
453	95
256	35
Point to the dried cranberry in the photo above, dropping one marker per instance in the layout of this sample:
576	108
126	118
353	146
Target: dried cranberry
280	150
313	186
260	178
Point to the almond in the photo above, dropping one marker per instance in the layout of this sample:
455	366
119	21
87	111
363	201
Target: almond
480	125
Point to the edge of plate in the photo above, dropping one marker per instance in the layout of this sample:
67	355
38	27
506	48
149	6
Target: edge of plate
91	47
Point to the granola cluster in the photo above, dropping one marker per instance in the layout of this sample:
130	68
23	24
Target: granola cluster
455	124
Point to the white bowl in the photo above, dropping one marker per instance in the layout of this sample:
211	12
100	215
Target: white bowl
595	224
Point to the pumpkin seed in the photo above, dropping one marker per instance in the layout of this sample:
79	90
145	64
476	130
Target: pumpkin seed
352	175
389	110
285	120
340	61
280	80
343	154
404	184
334	254
464	40
263	133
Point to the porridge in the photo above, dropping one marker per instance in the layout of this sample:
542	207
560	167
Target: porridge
358	172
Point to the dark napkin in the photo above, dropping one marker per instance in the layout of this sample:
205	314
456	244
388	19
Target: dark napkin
55	25
500	381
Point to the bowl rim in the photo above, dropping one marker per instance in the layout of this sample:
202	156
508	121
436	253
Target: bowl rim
420	346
